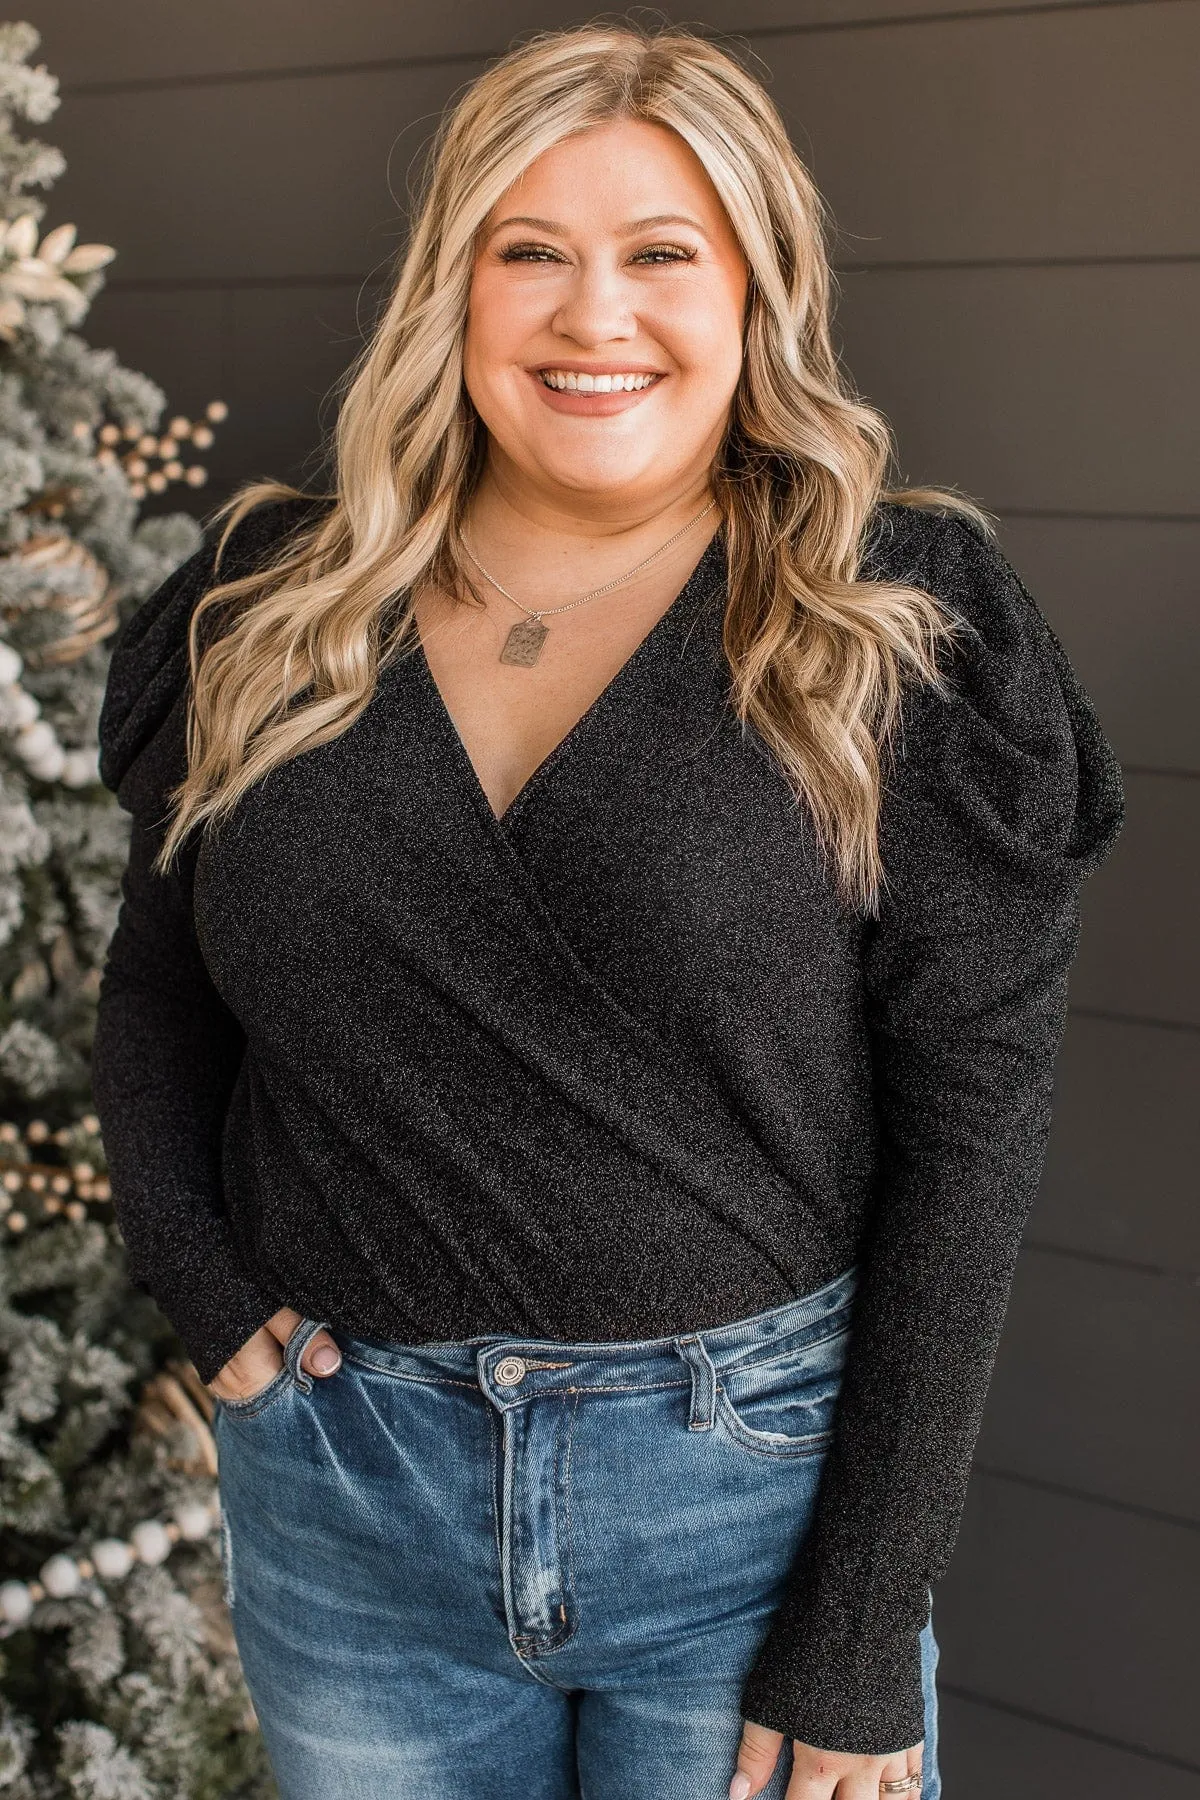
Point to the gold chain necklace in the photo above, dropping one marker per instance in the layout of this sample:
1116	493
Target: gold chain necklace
523	645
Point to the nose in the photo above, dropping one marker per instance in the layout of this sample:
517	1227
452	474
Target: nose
597	308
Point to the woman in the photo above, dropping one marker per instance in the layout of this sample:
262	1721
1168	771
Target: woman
579	1096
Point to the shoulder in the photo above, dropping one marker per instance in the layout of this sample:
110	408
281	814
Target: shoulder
148	666
1012	757
1003	655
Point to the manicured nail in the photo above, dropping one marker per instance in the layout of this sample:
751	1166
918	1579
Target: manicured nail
739	1787
326	1359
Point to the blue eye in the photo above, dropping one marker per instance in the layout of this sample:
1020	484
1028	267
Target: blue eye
666	253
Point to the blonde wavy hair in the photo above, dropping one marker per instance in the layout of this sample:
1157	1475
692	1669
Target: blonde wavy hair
818	658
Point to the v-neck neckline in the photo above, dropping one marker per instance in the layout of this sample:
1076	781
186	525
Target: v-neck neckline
641	652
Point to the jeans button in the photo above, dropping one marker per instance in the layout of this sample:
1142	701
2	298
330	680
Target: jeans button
509	1370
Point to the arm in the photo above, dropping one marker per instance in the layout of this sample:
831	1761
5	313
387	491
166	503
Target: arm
167	1051
165	1056
1005	796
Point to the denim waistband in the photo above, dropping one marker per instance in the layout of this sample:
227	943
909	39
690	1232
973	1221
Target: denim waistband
509	1365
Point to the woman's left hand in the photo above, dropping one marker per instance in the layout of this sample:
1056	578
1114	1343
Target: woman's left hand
818	1774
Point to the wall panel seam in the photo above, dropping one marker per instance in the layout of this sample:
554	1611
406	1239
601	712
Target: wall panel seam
1086	1497
1127	1018
451	58
1056	1724
1098	260
1129	1265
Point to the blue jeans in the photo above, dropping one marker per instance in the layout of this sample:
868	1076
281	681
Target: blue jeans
508	1567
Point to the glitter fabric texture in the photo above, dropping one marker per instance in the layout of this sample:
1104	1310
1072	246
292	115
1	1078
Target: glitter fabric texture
621	1064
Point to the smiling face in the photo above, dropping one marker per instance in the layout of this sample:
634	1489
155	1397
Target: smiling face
604	327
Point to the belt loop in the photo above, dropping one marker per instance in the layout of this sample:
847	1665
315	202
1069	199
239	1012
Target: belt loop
295	1347
704	1383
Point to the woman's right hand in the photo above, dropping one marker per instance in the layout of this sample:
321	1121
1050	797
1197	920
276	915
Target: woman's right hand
261	1357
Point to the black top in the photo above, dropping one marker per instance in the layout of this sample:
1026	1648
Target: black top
622	1065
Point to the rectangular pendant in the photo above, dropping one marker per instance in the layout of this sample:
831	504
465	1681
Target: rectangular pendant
523	645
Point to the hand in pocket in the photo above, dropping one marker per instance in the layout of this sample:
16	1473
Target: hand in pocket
260	1358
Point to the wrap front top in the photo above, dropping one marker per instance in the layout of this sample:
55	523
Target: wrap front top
622	1064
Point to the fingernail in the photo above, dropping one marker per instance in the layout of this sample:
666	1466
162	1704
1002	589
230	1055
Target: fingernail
739	1787
326	1359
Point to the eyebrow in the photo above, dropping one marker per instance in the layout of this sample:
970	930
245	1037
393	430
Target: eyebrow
630	230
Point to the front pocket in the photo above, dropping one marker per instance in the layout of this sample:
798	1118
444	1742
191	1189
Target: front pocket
253	1404
784	1405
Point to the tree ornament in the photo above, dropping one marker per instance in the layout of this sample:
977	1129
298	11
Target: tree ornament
60	1576
77	586
113	1558
151	1541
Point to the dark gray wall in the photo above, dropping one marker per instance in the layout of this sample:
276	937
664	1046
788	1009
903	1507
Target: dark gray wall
1016	191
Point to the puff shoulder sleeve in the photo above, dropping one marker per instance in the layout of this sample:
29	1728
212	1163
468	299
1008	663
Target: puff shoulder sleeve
166	1050
1001	798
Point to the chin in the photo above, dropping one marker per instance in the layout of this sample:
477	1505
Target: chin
615	474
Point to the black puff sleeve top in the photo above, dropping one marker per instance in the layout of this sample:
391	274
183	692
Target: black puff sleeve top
620	1064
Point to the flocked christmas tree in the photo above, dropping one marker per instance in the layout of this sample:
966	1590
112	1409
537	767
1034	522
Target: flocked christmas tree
118	1674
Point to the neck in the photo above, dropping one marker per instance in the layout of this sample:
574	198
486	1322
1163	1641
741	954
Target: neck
512	519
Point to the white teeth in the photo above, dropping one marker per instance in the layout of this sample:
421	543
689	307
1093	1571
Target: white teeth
568	381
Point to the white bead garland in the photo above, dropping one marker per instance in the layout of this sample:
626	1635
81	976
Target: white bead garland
111	1559
152	1540
35	739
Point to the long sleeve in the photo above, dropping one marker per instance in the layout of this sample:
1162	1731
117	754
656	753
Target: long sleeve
1002	799
167	1050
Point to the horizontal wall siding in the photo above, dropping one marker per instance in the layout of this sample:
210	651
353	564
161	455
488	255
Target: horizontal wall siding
1095	1384
1048	135
1122	593
1038	389
1078	1612
1120	1178
1072	151
153	40
988	1749
1140	950
286	178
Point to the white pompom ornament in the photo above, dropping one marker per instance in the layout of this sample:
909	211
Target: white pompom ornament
60	1577
193	1519
23	708
80	768
10	664
151	1541
113	1558
16	1602
36	740
49	765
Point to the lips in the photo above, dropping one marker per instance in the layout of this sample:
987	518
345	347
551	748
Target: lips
594	391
